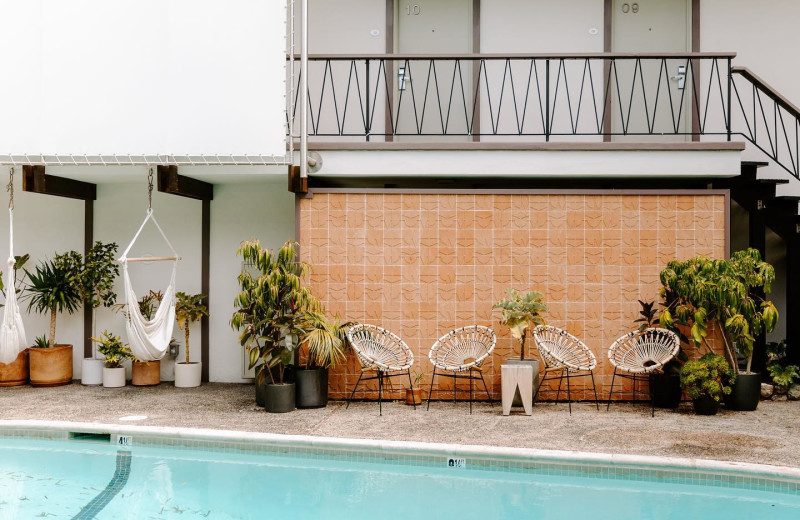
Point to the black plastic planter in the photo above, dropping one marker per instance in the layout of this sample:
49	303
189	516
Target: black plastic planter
705	405
260	390
312	387
745	393
279	398
666	390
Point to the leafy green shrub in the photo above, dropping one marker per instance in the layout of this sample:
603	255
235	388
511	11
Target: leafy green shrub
784	375
709	376
113	348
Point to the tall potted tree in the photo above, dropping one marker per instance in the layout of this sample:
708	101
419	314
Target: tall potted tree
268	311
55	287
99	272
188	309
15	373
728	295
520	312
324	339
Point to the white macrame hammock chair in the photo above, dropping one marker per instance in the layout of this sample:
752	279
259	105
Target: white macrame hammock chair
149	339
12	331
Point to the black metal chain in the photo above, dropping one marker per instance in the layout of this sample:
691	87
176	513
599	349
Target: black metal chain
150	190
10	188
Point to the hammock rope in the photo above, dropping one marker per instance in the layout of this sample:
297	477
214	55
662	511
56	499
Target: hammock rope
149	339
12	331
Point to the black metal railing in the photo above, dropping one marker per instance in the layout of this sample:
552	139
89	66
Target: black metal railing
548	97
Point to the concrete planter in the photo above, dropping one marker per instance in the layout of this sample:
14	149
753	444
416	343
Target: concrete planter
51	366
532	362
146	373
16	372
113	377
188	375
92	372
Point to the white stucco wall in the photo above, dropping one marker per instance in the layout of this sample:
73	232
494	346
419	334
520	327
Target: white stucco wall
260	207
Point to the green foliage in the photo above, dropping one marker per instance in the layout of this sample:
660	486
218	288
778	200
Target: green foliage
325	337
113	348
271	305
189	308
416	377
784	375
520	312
99	272
708	376
700	292
648	315
19	262
56	286
41	342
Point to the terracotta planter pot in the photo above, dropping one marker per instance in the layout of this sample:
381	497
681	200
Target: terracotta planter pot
146	373
16	372
51	366
413	396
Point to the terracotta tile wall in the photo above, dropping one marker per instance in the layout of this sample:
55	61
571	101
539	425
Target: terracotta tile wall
423	264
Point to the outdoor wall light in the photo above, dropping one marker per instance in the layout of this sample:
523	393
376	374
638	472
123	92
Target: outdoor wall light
174	349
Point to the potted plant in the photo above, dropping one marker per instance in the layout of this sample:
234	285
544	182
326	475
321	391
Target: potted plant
16	372
324	339
189	308
54	287
115	353
520	312
702	293
414	394
268	311
99	272
146	372
706	380
665	385
783	376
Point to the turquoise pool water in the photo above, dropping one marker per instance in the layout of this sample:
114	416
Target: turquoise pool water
69	479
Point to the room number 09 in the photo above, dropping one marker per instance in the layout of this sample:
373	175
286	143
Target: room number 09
412	9
630	8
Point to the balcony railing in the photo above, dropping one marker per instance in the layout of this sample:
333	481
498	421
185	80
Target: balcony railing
532	97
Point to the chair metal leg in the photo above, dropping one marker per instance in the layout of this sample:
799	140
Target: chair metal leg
569	394
455	388
652	404
491	405
594	388
470	391
411	385
560	380
541	384
354	390
430	393
634	389
380	393
611	389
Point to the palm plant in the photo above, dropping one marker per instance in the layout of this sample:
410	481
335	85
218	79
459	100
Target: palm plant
189	308
55	287
728	294
271	304
520	312
326	339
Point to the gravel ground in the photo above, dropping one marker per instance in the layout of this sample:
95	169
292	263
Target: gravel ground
768	436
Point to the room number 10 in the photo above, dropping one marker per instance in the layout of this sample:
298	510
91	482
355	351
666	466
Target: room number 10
412	9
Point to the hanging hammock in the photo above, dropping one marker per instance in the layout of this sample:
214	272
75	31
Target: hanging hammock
12	331
149	339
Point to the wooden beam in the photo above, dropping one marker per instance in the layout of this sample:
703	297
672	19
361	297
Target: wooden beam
88	242
35	180
297	184
169	181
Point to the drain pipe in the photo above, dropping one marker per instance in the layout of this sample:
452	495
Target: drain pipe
304	89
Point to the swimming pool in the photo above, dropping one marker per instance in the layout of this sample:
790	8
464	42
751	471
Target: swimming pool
328	479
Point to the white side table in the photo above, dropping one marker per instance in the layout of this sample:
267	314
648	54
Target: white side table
513	377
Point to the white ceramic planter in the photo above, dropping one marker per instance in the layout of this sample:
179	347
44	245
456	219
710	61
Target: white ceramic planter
188	375
92	372
113	377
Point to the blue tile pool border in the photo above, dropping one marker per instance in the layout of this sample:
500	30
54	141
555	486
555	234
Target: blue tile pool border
758	477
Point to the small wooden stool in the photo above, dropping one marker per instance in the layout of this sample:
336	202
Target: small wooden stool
513	377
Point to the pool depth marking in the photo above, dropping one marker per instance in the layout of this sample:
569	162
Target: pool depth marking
118	482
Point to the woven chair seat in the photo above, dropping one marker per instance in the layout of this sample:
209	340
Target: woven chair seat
379	349
644	352
463	349
559	348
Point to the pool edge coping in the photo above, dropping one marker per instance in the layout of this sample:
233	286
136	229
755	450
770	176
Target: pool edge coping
418	448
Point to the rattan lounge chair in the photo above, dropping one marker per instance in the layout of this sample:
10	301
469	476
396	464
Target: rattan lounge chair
565	357
380	350
462	351
636	355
